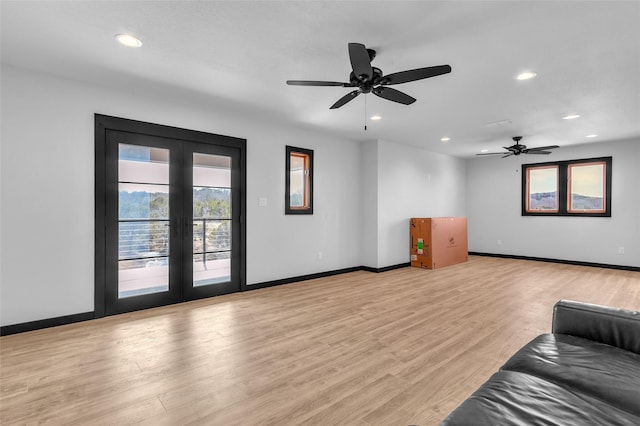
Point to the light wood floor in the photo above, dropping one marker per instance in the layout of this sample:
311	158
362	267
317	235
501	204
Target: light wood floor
396	348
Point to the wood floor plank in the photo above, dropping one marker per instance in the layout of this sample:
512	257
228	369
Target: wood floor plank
365	349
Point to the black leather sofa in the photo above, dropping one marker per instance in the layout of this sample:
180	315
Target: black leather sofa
585	372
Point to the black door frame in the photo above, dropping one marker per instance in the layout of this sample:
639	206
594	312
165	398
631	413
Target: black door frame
103	123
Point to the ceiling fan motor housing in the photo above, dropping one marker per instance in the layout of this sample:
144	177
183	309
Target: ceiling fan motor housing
366	85
372	54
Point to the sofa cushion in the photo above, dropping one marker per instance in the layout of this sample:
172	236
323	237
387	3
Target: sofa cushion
514	398
608	373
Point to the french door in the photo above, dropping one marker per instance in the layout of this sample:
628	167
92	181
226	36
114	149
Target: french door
172	220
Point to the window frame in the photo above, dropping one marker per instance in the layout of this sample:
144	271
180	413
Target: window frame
307	208
528	198
604	187
564	188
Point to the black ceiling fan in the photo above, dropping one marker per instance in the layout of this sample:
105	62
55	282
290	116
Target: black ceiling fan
370	79
518	149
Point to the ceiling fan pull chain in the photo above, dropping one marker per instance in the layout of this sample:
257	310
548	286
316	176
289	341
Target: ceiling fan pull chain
365	112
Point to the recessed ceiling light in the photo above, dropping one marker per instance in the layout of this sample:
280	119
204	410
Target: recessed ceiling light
445	139
526	75
128	40
484	150
570	116
376	117
591	136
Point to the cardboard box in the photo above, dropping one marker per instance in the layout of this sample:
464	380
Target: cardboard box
438	242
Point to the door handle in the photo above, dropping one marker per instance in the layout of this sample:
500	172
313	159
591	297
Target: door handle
187	226
175	225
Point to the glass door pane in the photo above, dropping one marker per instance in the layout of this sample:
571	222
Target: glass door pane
212	219
143	220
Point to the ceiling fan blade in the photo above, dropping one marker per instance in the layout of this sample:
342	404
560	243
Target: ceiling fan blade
317	83
417	74
393	95
543	148
346	98
360	62
508	155
527	151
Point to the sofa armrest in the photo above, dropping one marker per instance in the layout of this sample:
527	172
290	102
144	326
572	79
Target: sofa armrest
612	326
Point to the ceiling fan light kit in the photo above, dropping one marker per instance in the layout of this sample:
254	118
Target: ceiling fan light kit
369	79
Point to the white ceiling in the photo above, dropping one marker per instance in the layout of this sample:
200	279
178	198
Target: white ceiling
586	54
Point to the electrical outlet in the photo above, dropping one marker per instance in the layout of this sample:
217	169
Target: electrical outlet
319	255
620	250
498	242
262	202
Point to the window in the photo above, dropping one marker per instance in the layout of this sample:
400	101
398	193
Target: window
299	181
586	187
567	188
542	189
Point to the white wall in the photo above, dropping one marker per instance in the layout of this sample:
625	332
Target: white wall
494	212
369	203
280	246
47	190
364	195
412	182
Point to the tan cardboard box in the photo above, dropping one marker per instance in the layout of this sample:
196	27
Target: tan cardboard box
438	242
